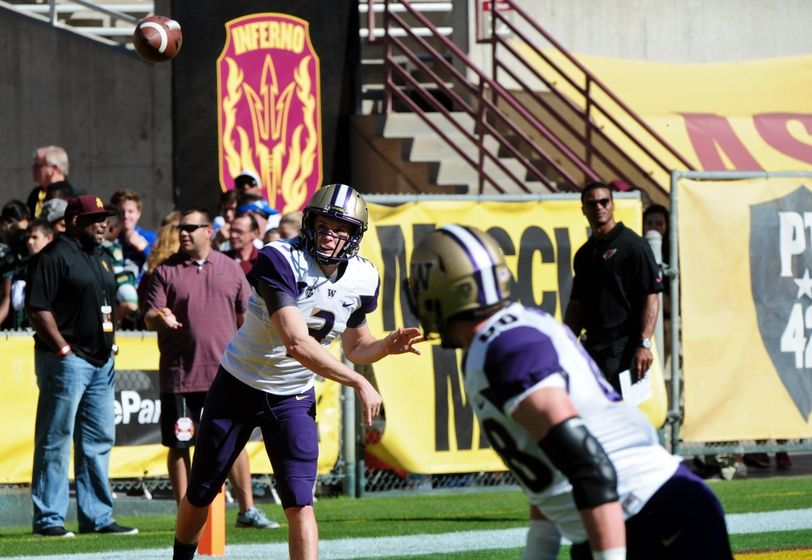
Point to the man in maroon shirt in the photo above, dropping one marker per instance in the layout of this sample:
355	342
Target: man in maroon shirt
196	300
242	233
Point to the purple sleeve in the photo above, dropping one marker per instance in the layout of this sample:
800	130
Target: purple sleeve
517	360
272	269
368	305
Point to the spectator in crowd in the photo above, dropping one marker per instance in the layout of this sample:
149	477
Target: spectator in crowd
124	270
14	218
135	240
53	211
228	209
271	235
38	234
614	292
196	300
290	225
259	208
247	182
306	293
50	170
166	244
69	303
589	461
655	217
244	230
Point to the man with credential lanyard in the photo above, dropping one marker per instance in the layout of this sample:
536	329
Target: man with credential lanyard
72	290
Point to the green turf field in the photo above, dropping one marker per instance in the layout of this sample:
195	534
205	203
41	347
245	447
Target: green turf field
434	513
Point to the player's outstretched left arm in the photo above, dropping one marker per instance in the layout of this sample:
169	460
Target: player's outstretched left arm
362	348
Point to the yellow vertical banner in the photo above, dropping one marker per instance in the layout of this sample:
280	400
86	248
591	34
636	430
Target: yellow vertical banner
429	428
745	257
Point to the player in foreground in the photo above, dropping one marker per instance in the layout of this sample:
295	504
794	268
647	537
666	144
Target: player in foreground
307	292
589	463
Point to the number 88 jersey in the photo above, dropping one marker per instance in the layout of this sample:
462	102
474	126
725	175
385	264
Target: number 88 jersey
519	351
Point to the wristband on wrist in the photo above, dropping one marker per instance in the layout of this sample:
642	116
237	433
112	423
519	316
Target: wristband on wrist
610	554
65	350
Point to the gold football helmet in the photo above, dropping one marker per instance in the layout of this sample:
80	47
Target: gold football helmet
341	202
457	272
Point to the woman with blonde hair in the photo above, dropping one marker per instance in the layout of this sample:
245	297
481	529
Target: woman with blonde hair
167	243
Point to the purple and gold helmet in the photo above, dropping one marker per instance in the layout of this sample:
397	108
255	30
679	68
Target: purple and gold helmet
457	272
341	202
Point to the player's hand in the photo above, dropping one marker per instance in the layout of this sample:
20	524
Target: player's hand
168	318
402	340
370	401
641	362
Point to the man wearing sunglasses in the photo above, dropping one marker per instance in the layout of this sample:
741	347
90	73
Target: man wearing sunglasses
196	300
615	291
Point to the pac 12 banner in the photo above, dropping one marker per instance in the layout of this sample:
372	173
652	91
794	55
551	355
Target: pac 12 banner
429	427
745	254
138	451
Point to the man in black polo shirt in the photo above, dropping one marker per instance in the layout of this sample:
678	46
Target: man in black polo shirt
614	292
69	303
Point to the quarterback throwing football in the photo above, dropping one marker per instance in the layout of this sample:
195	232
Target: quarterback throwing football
589	463
306	292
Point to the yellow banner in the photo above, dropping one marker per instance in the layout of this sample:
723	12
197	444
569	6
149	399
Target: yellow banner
701	110
746	302
429	428
138	451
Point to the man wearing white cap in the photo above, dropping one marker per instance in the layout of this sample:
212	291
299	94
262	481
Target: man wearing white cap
247	182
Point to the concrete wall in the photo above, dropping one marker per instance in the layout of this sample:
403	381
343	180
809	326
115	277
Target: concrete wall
107	108
677	30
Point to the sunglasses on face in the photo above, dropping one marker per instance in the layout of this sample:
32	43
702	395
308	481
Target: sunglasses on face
594	203
190	228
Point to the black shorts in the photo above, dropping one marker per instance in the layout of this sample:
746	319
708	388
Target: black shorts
180	418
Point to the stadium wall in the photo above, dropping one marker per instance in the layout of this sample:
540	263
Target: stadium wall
701	31
107	108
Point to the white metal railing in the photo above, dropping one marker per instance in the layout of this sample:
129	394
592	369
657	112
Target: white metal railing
114	20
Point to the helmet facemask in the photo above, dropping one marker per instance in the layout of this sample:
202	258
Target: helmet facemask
340	202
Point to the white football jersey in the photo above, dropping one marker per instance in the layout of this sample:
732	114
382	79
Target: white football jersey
521	350
256	355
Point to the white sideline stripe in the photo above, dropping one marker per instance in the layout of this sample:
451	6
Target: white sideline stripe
419	545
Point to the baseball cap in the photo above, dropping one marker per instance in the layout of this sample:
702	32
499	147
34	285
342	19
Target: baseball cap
247	176
53	210
260	207
85	205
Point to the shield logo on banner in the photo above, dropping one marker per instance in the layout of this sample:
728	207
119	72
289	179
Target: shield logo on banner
269	117
781	277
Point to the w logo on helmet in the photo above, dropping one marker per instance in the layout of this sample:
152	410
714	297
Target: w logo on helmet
421	272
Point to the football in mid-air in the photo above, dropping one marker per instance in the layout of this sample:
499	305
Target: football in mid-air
157	38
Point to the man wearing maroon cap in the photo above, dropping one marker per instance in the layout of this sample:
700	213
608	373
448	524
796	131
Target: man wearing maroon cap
72	290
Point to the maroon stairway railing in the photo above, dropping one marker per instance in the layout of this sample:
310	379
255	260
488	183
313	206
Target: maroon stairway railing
552	130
